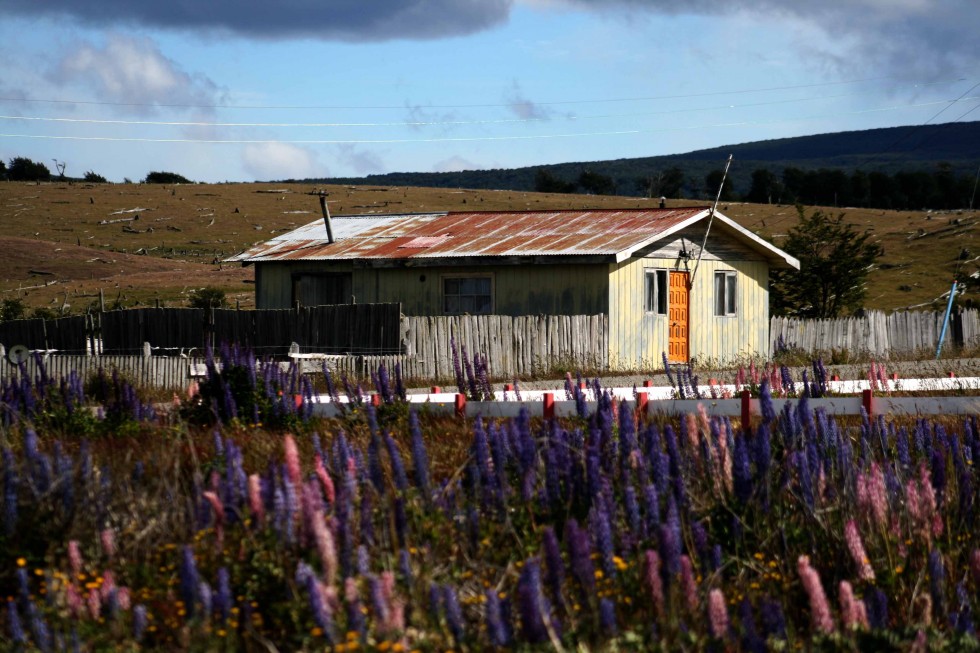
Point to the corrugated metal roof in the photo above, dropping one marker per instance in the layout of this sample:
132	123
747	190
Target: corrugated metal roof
467	234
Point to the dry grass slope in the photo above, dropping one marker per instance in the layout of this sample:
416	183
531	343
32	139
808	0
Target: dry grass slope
146	243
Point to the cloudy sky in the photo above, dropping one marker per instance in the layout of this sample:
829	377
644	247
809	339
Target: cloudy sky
244	90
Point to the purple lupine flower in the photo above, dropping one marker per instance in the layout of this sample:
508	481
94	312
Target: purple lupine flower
496	628
876	607
39	627
189	579
420	457
670	377
772	617
535	613
363	561
700	536
375	471
405	566
741	471
16	629
607	617
554	567
454	614
632	508
751	641
139	622
963	616
552	482
356	621
367	517
580	556
457	369
397	466
384	384
937	581
470	375
399	383
670	551
319	607
205	596
10	491
401	521
223	597
651	505
765	403
602	536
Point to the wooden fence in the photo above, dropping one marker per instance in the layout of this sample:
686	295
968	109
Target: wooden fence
169	373
877	333
371	329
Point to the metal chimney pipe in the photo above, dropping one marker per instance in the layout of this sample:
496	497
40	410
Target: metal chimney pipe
326	216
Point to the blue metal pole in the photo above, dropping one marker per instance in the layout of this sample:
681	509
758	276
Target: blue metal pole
949	308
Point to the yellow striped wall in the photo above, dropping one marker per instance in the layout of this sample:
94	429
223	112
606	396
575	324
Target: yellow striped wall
637	338
518	289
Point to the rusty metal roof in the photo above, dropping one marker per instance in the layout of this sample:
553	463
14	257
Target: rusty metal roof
477	234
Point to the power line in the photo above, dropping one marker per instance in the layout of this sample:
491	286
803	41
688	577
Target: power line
427	123
447	139
462	106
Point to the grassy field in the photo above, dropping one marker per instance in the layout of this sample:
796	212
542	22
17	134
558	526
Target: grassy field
64	242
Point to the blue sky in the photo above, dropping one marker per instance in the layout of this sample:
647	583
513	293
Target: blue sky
241	90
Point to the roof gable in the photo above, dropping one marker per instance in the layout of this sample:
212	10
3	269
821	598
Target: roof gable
618	234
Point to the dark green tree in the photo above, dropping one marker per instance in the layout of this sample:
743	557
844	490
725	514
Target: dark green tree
713	180
665	183
545	182
766	188
835	261
3	170
596	184
12	309
165	178
95	178
209	297
23	169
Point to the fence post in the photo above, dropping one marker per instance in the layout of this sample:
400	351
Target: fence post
867	400
460	404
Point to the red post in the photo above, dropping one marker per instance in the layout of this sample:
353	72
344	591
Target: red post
647	383
549	405
746	410
867	401
952	375
435	390
642	402
298	401
894	376
460	404
582	385
375	400
508	387
834	377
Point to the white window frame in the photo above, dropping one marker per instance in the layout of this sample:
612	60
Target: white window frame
443	295
655	291
725	293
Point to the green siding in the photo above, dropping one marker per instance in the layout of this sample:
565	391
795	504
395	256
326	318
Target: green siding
518	290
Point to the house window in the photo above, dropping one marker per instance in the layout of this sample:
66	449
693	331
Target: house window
725	287
655	292
472	295
322	289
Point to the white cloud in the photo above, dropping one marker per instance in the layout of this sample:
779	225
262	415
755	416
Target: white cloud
273	161
362	162
133	71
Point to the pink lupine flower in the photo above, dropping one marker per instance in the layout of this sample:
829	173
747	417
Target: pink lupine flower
717	613
255	498
325	548
688	585
124	598
819	609
691	430
350	590
703	418
292	459
921	644
107	537
74	600
216	505
853	613
651	571
325	480
920	499
740	378
388	585
753	373
94	603
108	584
852	537
877	495
74	557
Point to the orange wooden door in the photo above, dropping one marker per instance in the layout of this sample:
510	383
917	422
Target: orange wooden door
678	310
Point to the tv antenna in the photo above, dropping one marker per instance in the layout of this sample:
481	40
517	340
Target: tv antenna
711	217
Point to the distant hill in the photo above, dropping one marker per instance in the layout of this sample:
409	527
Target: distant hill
890	150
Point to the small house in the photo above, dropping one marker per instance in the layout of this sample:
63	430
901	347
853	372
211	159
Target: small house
665	280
